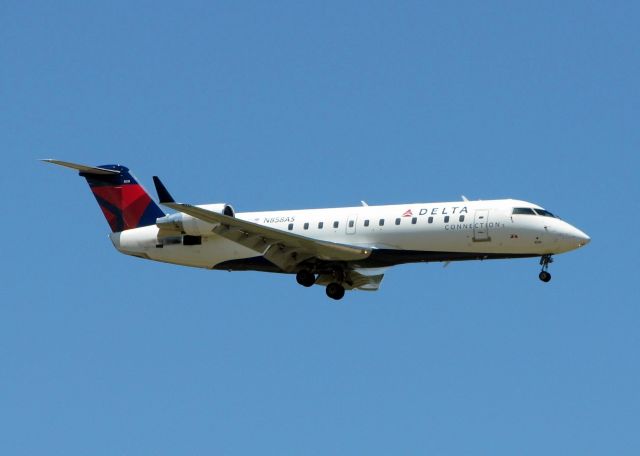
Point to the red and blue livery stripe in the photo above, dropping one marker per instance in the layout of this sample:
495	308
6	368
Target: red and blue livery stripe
124	202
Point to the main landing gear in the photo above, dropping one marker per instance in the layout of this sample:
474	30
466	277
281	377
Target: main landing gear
545	261
335	290
305	278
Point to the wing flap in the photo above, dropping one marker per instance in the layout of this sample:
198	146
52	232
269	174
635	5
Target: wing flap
366	279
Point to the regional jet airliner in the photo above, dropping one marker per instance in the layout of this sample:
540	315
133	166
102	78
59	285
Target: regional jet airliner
340	248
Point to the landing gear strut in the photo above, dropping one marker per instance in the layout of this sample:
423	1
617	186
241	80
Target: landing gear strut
545	261
305	278
335	291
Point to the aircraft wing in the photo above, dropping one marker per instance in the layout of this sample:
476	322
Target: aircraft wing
284	249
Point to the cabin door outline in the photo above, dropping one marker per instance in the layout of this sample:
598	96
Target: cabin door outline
481	226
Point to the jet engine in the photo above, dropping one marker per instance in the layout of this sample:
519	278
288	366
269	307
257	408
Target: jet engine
186	224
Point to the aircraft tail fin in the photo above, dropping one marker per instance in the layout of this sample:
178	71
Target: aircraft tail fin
124	202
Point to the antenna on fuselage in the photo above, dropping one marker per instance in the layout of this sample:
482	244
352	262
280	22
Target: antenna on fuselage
364	203
464	198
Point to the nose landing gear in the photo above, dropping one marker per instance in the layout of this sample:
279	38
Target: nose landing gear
545	261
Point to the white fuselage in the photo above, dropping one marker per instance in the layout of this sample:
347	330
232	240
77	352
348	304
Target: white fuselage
402	233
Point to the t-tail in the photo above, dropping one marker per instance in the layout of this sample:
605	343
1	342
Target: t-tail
124	202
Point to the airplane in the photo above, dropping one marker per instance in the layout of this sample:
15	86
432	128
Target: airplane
346	248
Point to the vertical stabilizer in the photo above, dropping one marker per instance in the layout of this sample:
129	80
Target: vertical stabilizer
124	202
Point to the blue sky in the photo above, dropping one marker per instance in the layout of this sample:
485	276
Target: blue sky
316	104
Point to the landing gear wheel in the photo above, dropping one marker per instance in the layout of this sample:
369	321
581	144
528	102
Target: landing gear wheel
335	291
305	278
545	261
544	276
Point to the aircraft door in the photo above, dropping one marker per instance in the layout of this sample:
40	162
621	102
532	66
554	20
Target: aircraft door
481	226
351	224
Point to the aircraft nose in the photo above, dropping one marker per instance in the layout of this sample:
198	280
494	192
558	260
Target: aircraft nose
578	237
585	239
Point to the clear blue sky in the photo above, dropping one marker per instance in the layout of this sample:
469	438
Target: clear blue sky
312	104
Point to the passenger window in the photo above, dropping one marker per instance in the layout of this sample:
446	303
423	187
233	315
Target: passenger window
446	219
290	226
381	222
335	224
414	220
306	226
430	220
461	218
320	225
397	221
366	223
351	222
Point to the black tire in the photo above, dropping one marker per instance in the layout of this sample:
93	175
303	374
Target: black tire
544	276
335	291
305	278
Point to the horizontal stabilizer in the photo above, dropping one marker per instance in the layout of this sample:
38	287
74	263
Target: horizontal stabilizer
82	168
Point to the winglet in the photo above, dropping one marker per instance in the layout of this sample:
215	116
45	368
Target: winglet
163	194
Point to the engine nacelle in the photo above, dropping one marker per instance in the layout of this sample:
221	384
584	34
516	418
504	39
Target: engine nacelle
186	224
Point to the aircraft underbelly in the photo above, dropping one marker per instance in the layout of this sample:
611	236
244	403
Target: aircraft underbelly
212	251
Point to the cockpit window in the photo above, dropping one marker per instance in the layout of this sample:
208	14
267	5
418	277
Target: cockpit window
523	211
544	213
